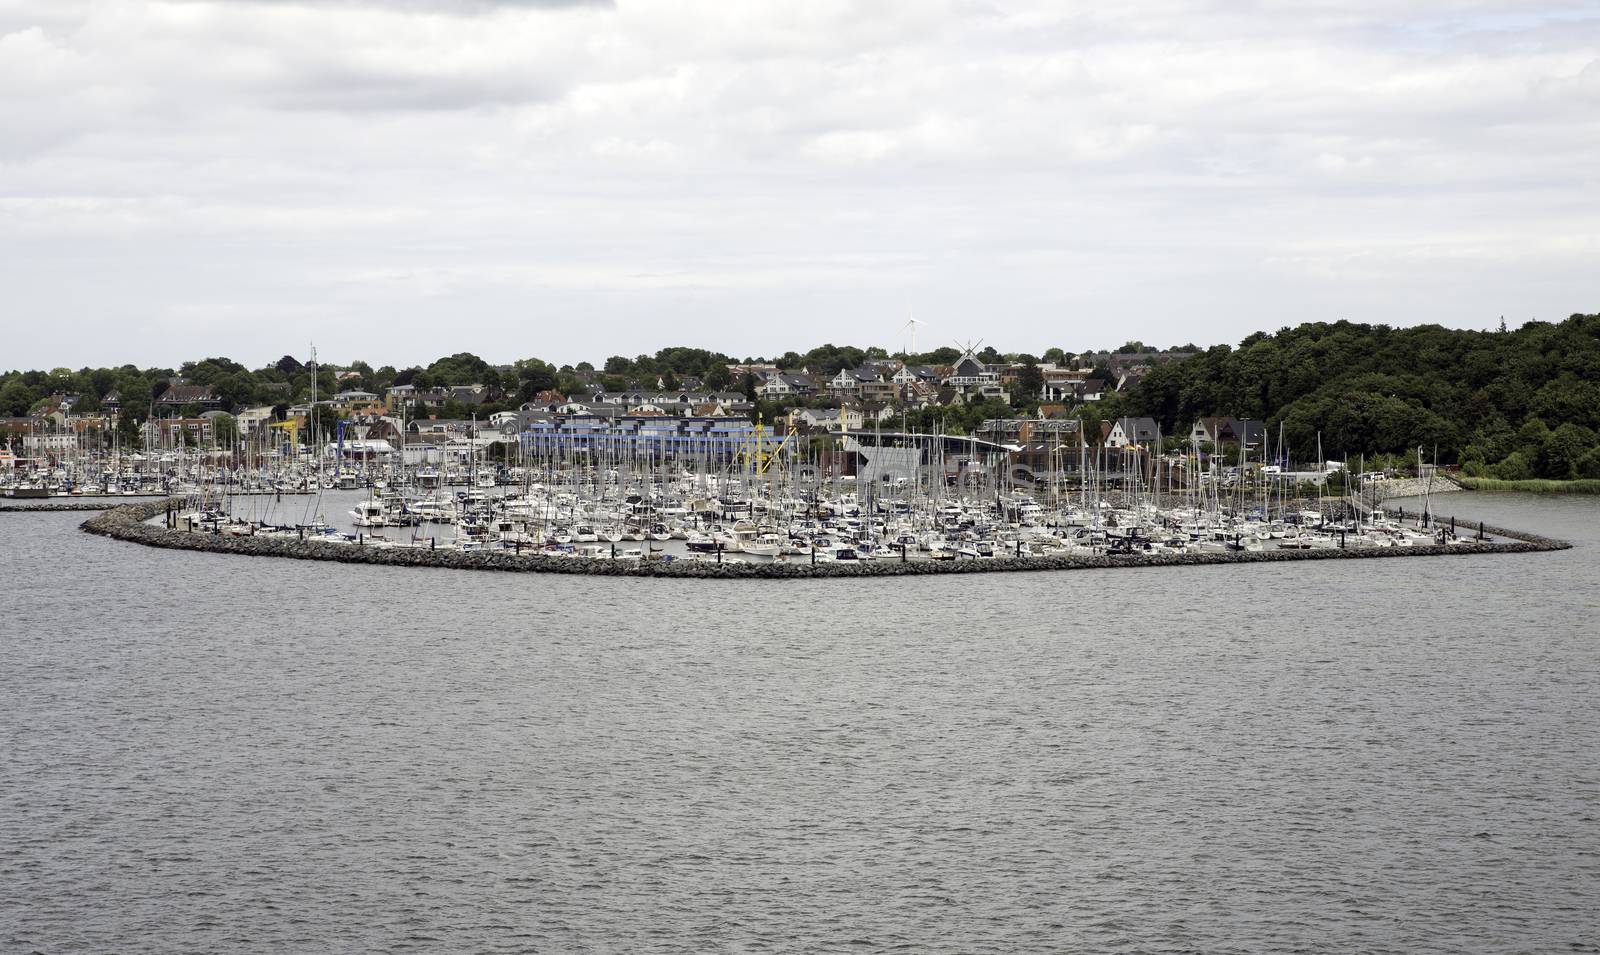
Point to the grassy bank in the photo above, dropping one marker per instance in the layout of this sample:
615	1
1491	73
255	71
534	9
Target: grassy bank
1531	487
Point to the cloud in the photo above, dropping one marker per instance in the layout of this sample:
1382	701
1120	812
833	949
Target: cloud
562	176
1589	81
448	7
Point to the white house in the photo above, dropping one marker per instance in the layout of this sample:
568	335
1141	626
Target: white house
1130	431
826	419
251	420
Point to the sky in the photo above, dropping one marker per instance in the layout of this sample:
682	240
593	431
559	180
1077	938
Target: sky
570	180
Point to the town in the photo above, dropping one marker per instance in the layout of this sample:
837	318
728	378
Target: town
1037	414
836	456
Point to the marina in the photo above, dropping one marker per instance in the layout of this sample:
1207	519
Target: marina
508	476
156	524
872	498
729	498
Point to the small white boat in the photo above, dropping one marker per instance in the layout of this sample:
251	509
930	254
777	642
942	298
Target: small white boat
763	545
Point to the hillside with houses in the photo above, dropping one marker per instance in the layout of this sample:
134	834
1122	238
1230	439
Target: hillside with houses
1509	403
830	390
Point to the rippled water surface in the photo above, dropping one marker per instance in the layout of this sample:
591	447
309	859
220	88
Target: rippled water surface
202	753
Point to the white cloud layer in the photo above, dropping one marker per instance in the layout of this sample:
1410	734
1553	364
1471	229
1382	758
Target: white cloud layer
570	180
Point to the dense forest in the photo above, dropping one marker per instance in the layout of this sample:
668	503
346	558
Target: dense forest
1507	404
1510	404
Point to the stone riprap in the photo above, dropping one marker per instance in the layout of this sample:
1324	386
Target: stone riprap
1411	487
129	523
28	504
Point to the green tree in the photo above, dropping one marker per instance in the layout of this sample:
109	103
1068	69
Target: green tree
462	368
1589	465
1030	381
16	398
1561	453
128	431
235	389
225	429
1515	467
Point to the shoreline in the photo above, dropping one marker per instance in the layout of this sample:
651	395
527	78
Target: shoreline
1538	486
128	523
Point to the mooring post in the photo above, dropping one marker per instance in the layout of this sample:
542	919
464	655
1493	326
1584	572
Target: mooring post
719	552
1480	530
902	553
613	550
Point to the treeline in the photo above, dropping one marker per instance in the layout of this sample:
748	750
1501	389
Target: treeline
1504	404
288	380
1507	404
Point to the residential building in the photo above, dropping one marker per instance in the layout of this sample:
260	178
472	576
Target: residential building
693	438
181	396
779	385
1066	432
1218	431
405	396
1038	447
811	420
171	432
251	420
971	380
1127	432
752	368
351	399
474	394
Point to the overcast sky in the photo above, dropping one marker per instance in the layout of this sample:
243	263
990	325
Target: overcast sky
402	180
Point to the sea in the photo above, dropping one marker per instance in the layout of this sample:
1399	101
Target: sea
208	753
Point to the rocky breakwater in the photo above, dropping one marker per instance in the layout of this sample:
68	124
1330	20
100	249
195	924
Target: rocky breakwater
129	523
1379	491
47	504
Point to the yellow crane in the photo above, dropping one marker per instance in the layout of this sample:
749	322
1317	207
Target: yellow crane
758	455
292	426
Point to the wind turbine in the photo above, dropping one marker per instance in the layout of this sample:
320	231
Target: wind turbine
911	326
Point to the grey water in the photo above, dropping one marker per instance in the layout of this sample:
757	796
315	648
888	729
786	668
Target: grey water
203	753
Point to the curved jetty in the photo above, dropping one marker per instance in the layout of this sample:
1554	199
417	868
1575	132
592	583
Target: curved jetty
130	523
46	505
